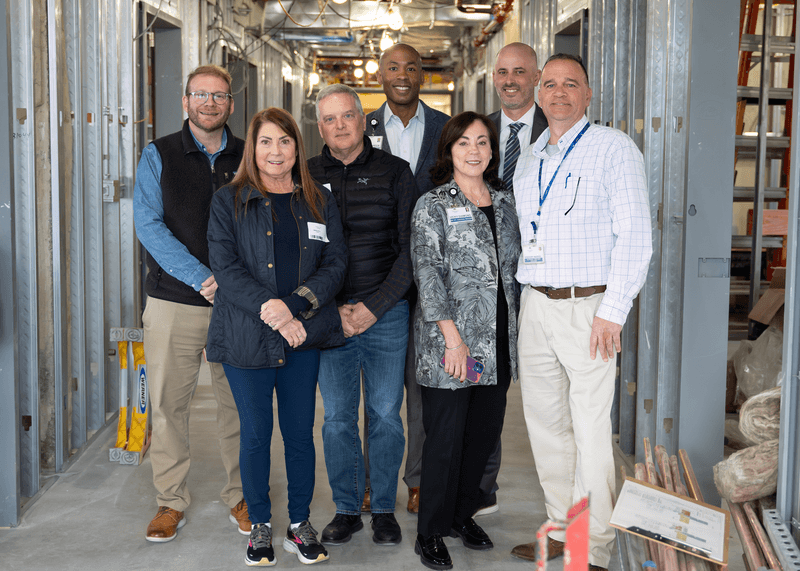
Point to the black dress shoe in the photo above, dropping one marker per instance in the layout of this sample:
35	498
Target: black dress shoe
386	529
472	535
341	529
433	552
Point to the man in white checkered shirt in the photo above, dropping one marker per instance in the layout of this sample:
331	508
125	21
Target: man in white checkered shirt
586	234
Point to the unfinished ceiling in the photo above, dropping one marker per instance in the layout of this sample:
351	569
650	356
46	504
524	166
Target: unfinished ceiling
336	33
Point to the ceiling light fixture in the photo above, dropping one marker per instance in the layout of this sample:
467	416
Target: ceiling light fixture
451	86
372	66
358	62
358	72
395	19
386	42
313	78
339	1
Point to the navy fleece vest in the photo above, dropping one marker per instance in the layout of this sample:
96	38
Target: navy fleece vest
187	184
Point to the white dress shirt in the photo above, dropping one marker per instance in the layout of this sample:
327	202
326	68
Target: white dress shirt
524	133
405	141
595	222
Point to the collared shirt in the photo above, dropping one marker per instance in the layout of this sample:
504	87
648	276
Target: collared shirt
405	141
148	216
524	133
595	222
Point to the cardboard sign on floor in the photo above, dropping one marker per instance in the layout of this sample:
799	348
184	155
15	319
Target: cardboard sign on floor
693	527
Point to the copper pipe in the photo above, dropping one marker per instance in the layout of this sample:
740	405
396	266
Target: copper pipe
761	536
750	547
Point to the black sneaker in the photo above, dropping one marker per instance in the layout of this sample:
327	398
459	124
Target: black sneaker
341	528
259	549
386	529
303	542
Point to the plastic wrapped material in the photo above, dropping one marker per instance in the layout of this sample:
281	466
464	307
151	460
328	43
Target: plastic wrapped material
758	366
749	474
734	438
760	416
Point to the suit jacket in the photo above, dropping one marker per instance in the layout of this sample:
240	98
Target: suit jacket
434	122
538	127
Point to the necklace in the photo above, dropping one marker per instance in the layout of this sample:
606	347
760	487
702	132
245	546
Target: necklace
477	200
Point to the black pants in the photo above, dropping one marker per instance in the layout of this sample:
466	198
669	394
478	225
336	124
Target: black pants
462	429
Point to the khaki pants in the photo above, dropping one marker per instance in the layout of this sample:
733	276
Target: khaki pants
566	399
174	338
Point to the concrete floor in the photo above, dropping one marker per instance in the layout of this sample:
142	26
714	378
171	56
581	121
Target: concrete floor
94	516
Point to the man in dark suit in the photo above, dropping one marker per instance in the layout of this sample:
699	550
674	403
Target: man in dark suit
407	128
515	76
519	123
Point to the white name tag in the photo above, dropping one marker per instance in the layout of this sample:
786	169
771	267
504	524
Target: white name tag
377	141
317	232
533	253
457	215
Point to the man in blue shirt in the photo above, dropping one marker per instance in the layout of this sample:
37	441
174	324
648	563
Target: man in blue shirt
175	180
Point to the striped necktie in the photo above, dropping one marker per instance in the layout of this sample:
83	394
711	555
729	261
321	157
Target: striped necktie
512	154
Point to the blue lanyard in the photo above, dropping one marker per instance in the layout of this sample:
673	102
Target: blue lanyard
542	198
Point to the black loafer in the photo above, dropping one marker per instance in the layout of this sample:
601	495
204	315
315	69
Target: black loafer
386	529
472	535
341	529
433	552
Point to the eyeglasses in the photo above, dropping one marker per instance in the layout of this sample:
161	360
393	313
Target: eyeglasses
201	97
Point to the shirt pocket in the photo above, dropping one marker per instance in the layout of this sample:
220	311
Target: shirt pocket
585	198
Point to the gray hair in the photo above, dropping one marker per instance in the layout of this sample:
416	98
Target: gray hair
338	88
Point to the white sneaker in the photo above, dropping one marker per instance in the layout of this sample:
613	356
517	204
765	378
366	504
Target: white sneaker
487	510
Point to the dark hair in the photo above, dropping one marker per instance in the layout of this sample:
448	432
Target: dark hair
442	171
249	175
568	57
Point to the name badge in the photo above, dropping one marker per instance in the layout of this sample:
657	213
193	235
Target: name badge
377	141
457	215
533	253
317	232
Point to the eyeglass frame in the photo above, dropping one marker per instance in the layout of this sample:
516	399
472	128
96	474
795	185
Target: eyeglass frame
194	95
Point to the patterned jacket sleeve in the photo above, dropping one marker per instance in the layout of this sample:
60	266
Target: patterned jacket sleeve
428	259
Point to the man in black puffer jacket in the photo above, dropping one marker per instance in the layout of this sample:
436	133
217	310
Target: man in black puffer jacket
375	193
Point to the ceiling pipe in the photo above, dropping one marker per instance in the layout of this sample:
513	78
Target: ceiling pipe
314	38
499	14
474	8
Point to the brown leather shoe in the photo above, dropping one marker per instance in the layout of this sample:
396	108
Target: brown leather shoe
528	551
164	527
413	500
241	517
365	504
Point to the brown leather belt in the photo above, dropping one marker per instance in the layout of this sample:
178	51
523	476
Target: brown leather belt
566	292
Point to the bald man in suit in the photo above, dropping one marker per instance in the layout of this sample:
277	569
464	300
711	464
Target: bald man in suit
515	76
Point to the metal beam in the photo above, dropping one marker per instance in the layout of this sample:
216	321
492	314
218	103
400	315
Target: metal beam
788	499
709	208
9	380
24	152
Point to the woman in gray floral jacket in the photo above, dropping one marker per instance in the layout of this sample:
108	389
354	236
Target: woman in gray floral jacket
465	244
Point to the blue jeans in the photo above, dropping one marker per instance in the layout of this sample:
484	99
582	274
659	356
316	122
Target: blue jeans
381	353
295	384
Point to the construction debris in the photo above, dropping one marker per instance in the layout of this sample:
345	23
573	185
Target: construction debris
748	474
760	416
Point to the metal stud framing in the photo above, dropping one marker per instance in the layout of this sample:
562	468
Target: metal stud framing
23	152
788	500
94	272
9	410
77	298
